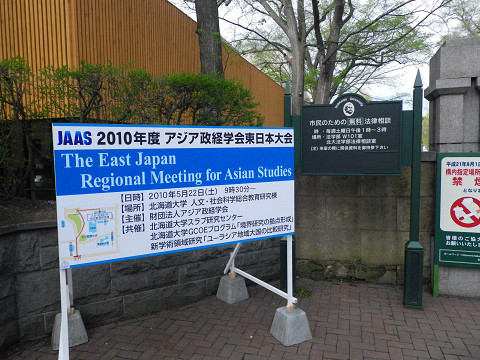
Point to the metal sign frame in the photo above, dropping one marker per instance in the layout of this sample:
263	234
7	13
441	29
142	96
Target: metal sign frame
291	300
96	172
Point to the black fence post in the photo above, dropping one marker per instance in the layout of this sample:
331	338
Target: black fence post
413	249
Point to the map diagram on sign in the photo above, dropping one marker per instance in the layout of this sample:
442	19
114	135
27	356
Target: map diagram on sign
94	233
465	212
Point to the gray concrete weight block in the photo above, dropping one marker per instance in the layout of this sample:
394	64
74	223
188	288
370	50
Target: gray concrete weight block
232	289
455	281
290	327
76	330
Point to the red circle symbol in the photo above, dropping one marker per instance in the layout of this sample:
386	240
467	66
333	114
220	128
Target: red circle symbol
465	212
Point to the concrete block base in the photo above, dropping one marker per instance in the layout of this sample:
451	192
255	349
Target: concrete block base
455	281
232	289
76	330
290	327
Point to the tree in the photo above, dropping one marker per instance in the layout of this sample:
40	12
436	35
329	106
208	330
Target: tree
79	93
285	16
133	98
199	99
183	99
462	18
334	46
15	145
209	39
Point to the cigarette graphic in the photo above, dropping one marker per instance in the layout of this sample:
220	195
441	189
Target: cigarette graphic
467	202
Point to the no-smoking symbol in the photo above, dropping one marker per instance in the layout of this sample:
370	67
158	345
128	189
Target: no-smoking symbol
465	212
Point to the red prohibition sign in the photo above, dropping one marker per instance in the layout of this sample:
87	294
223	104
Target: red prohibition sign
462	216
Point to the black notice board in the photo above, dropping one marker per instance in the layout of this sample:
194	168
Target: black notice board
352	137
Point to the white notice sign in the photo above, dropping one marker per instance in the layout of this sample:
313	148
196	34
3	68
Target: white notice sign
132	191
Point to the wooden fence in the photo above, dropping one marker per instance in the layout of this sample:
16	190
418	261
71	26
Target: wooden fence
153	34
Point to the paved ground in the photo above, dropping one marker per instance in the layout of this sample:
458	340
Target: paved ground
348	321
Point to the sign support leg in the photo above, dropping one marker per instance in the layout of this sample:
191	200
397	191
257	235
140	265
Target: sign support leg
231	263
290	325
290	300
68	328
70	289
63	353
232	289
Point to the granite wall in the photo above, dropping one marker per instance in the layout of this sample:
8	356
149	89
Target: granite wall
356	227
30	285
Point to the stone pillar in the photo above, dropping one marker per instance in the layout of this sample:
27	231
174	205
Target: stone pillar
454	97
455	127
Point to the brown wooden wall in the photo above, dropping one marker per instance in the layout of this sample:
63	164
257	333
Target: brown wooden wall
36	30
153	34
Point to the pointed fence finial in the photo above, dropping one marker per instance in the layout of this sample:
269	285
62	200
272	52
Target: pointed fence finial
418	80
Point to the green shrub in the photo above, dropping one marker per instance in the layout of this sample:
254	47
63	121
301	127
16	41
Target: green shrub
115	94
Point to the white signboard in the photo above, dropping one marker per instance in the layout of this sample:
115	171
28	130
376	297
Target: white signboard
125	191
457	226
